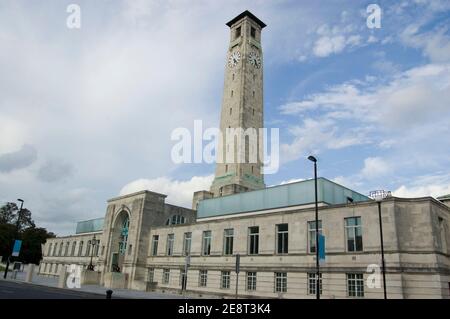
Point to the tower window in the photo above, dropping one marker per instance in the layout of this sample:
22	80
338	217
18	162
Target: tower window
232	92
233	76
238	32
226	168
253	32
253	110
253	93
252	169
231	110
254	77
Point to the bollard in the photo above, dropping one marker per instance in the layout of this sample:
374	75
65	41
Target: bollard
108	294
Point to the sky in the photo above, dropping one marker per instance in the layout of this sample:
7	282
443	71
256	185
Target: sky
86	114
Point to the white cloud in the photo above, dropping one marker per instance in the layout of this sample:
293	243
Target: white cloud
375	167
325	46
178	192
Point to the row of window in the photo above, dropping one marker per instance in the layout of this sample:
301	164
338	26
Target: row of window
63	251
353	231
355	281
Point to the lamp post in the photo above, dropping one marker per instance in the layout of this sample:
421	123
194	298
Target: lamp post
314	160
378	196
91	266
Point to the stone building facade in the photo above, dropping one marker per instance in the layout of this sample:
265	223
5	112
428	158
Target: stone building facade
145	243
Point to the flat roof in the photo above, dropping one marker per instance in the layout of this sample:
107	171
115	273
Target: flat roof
246	13
292	194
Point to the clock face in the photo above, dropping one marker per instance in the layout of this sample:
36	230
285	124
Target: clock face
234	59
254	59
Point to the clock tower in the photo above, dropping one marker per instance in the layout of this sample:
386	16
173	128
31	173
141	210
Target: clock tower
239	166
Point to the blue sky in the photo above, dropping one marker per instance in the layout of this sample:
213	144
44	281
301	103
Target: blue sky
86	114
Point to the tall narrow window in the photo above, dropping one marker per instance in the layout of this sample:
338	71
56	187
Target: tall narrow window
80	248
66	251
88	248
280	282
206	243
312	283
72	252
312	235
238	32
202	278
166	276
187	244
354	234
155	241
355	285
251	281
97	246
49	251
60	249
282	239
55	249
233	77
253	112
151	275
252	32
231	110
253	240
169	247
225	280
228	241
232	93
253	93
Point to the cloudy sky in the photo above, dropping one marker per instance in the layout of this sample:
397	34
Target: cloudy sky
86	114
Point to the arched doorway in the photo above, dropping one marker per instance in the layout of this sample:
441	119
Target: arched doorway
119	241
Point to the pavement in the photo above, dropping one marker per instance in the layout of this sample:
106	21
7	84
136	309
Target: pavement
46	287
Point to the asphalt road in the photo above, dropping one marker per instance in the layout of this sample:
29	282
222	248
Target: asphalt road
15	290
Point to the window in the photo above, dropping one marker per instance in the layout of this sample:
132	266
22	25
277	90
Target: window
151	275
312	283
312	235
231	110
88	248
66	251
187	244
49	249
252	32
166	276
130	249
202	278
169	247
238	32
226	168
354	234
280	282
233	77
253	96
72	252
442	235
206	243
225	280
252	169
60	249
282	238
155	240
228	241
251	281
183	278
232	93
355	285
97	246
103	250
80	248
175	220
253	240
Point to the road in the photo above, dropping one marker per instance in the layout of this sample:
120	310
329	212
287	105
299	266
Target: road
16	290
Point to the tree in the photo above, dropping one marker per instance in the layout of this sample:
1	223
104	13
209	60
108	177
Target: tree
32	239
7	236
8	213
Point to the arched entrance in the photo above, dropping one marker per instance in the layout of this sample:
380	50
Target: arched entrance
119	241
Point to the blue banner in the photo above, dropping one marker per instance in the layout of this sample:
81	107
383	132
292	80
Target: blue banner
16	249
321	248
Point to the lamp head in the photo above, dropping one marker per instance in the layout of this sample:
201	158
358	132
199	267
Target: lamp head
20	200
312	158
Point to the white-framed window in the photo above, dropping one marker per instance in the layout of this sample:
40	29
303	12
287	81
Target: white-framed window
187	244
166	276
151	275
88	248
60	249
280	282
72	252
202	278
312	235
282	238
55	249
312	283
353	230
97	246
225	280
155	241
66	250
49	249
169	246
253	240
251	281
206	243
355	285
228	235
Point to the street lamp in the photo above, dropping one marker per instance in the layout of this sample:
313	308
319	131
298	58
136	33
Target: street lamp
91	266
314	160
378	196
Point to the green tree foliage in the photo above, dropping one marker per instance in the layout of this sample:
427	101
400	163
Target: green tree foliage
18	224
